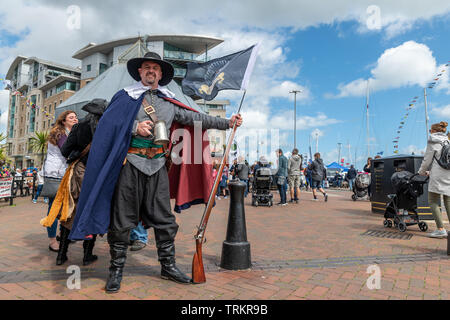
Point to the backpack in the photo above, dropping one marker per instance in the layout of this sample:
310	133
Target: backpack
444	160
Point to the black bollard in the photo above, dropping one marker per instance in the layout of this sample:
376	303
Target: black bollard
448	245
236	248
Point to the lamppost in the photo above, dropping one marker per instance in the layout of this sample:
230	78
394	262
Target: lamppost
295	115
339	152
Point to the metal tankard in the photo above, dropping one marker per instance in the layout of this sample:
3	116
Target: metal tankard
160	130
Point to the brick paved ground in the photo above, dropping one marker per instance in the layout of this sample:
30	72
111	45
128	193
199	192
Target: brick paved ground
310	250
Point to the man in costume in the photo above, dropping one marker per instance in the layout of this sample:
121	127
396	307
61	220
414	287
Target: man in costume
126	179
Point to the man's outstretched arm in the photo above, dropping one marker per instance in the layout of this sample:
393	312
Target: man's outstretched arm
188	117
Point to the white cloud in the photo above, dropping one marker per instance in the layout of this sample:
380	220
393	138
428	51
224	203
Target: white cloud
409	64
443	112
231	19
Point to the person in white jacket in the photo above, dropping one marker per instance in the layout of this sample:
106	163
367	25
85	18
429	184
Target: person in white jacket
55	164
439	183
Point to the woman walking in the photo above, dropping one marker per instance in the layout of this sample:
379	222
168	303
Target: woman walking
439	183
55	164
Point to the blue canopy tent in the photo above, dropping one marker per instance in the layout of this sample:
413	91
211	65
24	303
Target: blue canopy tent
335	165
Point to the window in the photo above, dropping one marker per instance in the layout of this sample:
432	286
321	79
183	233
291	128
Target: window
102	68
60	87
88	68
70	85
30	148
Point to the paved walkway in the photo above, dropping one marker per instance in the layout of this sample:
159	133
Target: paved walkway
310	250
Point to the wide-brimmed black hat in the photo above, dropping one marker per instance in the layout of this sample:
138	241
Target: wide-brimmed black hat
167	70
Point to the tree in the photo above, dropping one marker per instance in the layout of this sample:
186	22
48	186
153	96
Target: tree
2	147
39	143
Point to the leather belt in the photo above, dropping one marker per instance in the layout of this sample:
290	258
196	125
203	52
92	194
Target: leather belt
148	153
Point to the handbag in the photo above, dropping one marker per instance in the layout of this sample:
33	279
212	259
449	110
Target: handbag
50	187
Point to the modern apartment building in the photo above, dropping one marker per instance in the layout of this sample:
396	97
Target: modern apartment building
177	49
104	72
37	87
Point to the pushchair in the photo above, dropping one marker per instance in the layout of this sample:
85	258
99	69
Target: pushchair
361	186
261	195
402	207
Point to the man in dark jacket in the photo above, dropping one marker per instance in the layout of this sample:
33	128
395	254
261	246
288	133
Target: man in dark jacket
351	175
318	173
281	176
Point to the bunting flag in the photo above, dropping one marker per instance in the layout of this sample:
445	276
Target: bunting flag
412	103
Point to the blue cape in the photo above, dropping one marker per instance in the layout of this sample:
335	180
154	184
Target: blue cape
108	151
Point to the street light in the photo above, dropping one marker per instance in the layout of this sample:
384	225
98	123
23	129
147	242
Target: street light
295	115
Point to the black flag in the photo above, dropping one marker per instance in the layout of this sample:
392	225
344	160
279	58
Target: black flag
230	72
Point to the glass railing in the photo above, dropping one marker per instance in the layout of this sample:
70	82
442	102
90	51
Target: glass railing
181	55
179	72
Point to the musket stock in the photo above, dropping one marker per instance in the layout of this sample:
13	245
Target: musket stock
198	271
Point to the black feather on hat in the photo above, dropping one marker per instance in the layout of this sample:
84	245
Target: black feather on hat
167	70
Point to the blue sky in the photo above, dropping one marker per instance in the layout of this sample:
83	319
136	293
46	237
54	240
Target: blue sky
327	50
331	55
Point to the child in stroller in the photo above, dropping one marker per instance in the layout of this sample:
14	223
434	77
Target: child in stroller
402	207
361	186
261	187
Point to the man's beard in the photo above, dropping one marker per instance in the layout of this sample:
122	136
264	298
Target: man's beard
150	82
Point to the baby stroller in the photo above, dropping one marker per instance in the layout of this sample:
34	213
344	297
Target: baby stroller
262	181
361	186
402	207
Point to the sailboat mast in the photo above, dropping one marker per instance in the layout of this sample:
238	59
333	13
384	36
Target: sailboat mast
367	119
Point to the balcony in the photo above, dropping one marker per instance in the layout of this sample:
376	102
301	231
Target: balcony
179	72
181	56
